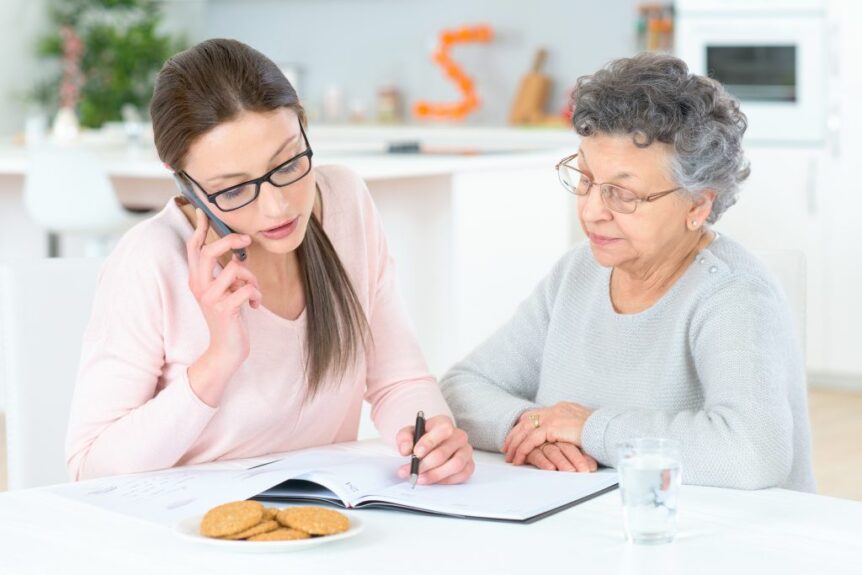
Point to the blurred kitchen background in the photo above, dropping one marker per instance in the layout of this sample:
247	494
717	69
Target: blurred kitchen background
461	166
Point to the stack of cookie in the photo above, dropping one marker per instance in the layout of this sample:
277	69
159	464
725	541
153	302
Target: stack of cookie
251	521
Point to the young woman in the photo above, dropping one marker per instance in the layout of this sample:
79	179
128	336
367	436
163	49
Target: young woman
193	354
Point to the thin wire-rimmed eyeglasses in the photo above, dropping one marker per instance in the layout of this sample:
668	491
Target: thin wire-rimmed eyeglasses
283	175
614	197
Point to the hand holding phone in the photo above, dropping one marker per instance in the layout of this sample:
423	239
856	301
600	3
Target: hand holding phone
219	226
222	296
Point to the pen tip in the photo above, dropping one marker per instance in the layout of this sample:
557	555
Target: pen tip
413	479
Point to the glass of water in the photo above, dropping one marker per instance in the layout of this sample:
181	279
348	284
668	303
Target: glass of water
649	474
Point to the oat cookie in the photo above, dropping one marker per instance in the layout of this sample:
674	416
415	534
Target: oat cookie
231	518
281	534
264	526
314	520
270	513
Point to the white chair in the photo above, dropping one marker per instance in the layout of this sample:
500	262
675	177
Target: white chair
44	307
68	192
788	267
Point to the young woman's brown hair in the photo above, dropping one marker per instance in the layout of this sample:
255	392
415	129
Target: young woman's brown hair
212	83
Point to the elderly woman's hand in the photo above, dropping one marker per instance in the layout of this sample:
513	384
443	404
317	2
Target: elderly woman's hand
562	422
561	456
445	452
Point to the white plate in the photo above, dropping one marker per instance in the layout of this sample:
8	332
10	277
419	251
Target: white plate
189	528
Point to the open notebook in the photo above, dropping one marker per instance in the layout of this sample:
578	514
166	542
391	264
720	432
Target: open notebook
352	476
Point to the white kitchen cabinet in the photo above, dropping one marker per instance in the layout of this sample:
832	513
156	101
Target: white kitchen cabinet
470	247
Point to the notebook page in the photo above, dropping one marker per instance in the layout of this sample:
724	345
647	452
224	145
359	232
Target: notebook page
499	492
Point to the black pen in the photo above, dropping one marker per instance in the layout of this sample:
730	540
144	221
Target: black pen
418	432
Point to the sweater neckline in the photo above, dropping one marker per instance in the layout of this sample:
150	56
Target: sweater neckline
668	295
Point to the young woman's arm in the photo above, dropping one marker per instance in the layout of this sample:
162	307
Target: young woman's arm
398	381
121	421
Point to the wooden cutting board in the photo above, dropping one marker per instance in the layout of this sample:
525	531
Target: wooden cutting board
532	96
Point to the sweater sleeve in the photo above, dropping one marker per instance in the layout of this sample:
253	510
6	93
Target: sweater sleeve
398	383
120	422
498	381
744	352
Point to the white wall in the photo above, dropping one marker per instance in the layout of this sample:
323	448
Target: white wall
21	24
361	44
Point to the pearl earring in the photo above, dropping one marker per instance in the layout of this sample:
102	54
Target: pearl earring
694	223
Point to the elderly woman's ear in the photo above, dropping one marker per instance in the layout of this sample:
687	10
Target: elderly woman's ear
700	210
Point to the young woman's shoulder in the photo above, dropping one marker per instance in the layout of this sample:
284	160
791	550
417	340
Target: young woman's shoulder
155	245
347	203
341	188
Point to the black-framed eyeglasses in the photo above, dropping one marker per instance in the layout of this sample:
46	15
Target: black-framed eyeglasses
241	195
614	197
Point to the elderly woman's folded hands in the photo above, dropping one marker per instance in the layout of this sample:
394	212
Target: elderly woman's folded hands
550	438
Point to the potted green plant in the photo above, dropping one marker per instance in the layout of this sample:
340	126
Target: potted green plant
121	49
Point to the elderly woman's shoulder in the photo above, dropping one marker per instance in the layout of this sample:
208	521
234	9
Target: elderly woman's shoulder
736	271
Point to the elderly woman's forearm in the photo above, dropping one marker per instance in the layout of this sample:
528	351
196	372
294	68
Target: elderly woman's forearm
483	409
720	447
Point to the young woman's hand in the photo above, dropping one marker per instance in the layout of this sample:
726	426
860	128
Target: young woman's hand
220	298
445	453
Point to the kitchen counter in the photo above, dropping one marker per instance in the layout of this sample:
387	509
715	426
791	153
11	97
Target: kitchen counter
364	149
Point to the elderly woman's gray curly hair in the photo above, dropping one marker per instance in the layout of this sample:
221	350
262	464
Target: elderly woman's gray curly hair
655	97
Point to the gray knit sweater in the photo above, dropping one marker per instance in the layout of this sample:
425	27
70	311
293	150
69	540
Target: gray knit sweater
715	364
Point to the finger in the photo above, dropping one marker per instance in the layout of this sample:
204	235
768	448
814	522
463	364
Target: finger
437	430
531	442
580	461
443	452
404	440
523	419
461	476
521	432
506	441
247	293
538	459
210	253
196	241
404	471
560	461
231	278
593	464
453	465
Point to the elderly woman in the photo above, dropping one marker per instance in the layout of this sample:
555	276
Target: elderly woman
659	327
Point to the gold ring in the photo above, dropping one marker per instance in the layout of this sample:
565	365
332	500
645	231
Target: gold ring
534	419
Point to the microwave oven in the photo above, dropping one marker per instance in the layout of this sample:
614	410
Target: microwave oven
773	61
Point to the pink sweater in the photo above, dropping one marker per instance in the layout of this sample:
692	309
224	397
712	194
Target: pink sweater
133	408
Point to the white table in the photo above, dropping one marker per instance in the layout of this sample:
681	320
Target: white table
722	531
